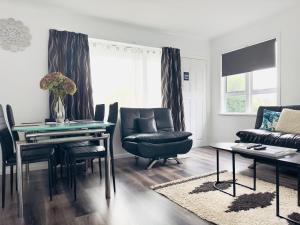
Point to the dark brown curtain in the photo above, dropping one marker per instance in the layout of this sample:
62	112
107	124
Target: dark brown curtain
68	52
171	85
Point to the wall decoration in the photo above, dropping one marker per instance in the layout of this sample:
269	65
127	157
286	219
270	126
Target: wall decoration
186	76
14	35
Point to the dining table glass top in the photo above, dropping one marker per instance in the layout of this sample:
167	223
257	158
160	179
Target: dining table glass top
53	126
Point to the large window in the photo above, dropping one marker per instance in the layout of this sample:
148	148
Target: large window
244	93
250	78
128	74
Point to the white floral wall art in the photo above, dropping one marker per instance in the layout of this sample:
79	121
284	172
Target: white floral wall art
14	35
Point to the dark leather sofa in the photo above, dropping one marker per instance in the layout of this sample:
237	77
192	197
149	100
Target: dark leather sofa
267	137
163	144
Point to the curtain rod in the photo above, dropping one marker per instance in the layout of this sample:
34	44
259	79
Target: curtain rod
125	44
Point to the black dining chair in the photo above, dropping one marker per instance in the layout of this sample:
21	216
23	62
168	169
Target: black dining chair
112	118
41	154
99	112
84	153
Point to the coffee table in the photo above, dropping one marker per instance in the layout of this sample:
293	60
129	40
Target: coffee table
226	146
291	161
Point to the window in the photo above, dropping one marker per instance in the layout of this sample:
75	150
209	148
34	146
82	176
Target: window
245	92
128	74
249	78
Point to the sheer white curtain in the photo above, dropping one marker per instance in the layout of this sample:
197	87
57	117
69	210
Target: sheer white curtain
128	74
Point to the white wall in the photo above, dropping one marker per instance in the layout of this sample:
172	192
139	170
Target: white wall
21	72
286	27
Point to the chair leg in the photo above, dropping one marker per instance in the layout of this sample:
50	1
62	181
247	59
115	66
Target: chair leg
11	180
92	165
16	182
100	168
113	171
99	162
71	174
74	177
61	170
55	174
3	185
50	178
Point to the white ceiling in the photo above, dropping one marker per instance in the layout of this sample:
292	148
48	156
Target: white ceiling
200	18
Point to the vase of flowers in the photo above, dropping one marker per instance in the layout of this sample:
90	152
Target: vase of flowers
60	86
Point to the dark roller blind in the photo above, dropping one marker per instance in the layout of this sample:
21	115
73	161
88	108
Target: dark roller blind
255	57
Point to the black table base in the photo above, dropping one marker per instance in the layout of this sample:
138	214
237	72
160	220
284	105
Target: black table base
290	162
278	195
233	182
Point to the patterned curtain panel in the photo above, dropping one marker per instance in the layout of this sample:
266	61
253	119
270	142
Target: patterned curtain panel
171	85
68	53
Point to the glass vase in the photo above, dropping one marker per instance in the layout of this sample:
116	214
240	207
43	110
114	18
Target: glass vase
59	111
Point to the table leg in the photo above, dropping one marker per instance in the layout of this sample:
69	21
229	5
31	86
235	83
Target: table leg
254	175
107	168
218	168
277	189
298	188
19	178
233	174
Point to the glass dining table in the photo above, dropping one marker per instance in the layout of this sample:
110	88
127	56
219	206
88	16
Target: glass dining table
59	133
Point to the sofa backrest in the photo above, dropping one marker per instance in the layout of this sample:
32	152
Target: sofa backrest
260	112
129	116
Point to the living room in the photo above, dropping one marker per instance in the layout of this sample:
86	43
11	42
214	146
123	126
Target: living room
143	112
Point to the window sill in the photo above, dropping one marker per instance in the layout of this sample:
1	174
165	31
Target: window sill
237	114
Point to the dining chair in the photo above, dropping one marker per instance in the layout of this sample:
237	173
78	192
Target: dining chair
16	137
41	154
112	118
99	112
84	153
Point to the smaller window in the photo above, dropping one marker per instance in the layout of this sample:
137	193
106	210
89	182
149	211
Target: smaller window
244	93
236	83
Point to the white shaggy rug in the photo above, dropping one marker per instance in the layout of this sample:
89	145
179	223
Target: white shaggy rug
197	195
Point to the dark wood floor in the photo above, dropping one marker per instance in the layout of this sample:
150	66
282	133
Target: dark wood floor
133	204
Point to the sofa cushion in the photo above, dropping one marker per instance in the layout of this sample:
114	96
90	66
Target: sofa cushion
253	135
159	137
147	125
289	121
270	119
269	138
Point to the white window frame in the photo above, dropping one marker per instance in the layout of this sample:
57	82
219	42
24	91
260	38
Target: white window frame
249	86
249	92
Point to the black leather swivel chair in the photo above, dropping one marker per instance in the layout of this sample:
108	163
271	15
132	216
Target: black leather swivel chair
149	133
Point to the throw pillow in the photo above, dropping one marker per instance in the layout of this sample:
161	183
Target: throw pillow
289	121
270	119
147	125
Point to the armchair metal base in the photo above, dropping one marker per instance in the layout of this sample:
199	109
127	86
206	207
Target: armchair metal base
151	164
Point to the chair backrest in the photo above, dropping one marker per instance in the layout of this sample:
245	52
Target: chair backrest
11	122
260	112
113	112
7	145
129	116
113	117
99	112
